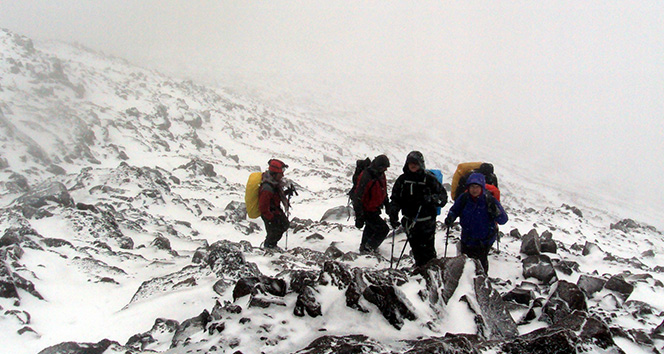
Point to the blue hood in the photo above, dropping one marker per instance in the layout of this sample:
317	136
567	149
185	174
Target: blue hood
476	178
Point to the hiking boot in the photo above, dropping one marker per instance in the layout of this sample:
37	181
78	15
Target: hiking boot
272	248
366	250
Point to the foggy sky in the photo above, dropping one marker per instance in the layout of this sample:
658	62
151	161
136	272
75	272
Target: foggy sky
577	84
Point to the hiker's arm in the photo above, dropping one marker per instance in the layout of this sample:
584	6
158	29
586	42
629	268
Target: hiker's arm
438	193
502	216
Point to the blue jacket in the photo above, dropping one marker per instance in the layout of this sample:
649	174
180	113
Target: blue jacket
478	216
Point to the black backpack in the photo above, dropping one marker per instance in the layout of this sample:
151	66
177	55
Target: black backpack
360	166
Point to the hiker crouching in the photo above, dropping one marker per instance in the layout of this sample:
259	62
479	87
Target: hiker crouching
270	199
371	197
417	193
479	213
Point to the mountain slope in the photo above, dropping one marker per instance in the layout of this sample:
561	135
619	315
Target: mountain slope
124	220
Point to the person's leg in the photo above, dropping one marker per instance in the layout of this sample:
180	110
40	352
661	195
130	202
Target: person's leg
275	228
380	231
423	242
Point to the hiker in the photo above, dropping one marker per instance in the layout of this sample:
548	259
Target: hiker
270	199
417	193
480	214
369	198
465	169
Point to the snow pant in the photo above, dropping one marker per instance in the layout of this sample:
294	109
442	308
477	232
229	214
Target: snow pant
275	228
480	253
375	231
422	240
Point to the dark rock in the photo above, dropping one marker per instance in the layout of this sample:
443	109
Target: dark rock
17	183
336	274
515	234
125	242
315	236
199	167
590	247
539	267
333	252
56	242
451	343
547	244
56	170
519	296
574	210
226	260
496	322
543	341
618	284
189	327
343	345
7	288
89	207
299	279
161	243
26	329
337	213
48	191
648	254
80	348
530	243
394	306
565	298
565	266
307	303
590	285
259	285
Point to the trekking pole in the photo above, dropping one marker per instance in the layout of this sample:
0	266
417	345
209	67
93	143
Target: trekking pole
394	231
407	229
447	237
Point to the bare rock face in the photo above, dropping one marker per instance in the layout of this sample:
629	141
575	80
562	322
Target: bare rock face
345	344
82	348
48	191
162	328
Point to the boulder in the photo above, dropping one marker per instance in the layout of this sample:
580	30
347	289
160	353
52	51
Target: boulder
547	244
539	267
83	348
590	285
337	213
530	243
618	284
46	192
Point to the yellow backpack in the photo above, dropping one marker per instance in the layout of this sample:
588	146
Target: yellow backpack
251	194
462	170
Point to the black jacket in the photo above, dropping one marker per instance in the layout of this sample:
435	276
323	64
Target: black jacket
412	190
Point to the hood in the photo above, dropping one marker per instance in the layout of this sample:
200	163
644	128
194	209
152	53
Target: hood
380	162
416	157
476	178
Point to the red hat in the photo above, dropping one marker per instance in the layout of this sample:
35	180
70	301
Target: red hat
276	166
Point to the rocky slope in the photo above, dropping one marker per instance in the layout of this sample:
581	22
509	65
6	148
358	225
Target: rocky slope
123	230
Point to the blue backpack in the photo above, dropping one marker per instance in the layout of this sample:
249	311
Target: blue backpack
439	177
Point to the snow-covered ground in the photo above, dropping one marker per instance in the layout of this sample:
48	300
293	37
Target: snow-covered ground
123	137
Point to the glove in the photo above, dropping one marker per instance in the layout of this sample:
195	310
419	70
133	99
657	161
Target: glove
359	223
394	221
449	220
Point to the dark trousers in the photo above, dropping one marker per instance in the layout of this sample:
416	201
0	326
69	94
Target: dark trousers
478	252
275	228
375	231
422	240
